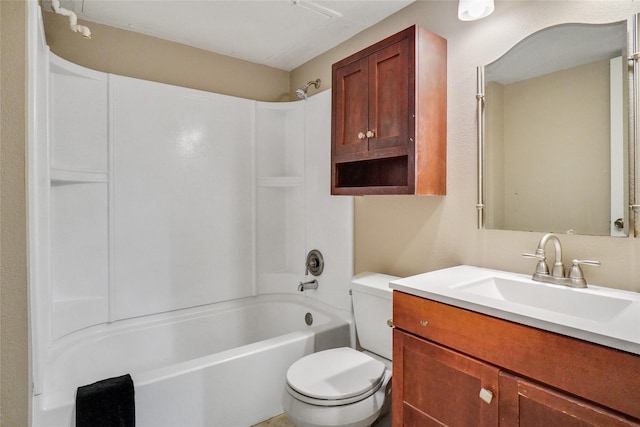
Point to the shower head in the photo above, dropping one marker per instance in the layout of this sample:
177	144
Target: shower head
302	92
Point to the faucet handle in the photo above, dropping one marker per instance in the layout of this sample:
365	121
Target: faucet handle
536	255
586	262
541	267
576	272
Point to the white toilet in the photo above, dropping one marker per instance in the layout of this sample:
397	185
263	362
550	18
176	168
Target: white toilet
343	387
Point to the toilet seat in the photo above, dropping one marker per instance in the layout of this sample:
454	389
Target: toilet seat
338	376
360	413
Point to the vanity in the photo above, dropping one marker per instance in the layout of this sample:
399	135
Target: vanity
480	347
467	352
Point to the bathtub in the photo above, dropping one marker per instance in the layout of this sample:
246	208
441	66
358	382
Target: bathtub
219	365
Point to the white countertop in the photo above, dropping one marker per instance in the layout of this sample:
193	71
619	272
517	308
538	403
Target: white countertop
620	330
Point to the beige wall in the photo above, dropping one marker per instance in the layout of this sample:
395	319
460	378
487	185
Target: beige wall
405	235
126	53
14	355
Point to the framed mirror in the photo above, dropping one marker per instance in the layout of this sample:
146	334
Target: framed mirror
556	135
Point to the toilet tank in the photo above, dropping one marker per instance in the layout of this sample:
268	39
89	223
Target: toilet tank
372	309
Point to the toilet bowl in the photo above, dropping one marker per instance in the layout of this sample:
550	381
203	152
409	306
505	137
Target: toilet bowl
343	387
337	387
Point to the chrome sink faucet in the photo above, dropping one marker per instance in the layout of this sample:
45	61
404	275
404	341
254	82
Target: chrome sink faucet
540	255
557	276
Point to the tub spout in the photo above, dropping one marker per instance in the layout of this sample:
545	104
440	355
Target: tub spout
311	284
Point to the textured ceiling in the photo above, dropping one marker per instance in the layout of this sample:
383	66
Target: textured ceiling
279	33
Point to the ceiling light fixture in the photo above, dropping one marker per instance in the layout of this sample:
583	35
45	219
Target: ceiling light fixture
470	10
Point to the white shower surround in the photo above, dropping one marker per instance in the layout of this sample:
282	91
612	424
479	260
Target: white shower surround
147	198
182	210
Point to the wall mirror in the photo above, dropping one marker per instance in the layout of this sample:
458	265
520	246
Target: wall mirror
556	135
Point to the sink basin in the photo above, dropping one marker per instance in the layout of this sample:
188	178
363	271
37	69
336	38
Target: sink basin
591	303
598	314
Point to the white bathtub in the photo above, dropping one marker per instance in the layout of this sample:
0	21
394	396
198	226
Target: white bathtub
221	365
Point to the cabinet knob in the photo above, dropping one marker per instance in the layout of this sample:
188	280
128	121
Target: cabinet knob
486	395
370	134
361	135
390	323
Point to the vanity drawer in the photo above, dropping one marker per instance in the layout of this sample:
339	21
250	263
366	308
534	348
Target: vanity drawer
603	375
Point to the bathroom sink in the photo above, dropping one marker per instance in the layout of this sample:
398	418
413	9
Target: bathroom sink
598	314
591	303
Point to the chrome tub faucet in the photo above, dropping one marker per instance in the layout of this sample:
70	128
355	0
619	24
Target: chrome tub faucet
311	284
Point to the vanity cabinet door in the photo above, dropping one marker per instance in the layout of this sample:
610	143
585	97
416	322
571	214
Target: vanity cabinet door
527	404
434	386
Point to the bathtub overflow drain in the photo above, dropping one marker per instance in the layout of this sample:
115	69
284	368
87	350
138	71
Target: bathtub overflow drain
308	318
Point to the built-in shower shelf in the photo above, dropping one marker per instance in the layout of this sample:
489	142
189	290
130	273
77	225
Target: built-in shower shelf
280	181
70	176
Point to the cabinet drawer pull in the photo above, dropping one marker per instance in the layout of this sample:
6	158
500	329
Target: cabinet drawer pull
390	323
361	135
486	395
424	323
370	134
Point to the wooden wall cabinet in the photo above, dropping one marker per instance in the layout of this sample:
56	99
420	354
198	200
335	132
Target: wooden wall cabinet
454	367
389	117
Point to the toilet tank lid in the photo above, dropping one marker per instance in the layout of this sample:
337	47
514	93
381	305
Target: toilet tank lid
373	283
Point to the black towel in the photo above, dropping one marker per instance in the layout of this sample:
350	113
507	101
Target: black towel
106	403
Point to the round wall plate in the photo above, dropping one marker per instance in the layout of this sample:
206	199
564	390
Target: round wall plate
315	262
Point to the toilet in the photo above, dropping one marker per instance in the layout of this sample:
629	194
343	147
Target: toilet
343	387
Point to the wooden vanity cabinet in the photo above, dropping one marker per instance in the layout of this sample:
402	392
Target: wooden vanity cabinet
445	358
389	117
434	380
526	403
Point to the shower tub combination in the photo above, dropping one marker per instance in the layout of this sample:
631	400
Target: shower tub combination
156	217
217	365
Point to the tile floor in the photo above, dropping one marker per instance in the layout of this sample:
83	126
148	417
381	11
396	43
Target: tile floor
282	421
278	421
